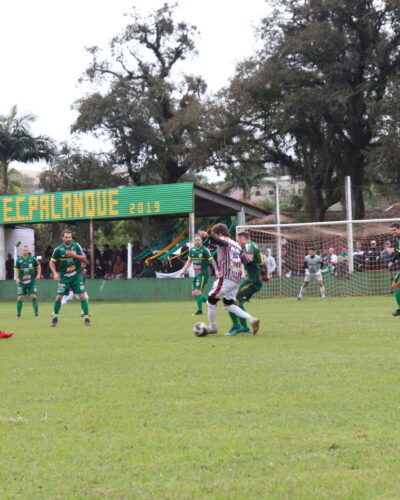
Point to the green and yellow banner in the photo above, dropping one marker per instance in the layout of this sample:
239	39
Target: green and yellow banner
137	201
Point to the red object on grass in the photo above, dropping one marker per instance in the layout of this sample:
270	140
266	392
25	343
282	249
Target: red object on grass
5	335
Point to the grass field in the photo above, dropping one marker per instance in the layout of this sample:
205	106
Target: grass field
137	407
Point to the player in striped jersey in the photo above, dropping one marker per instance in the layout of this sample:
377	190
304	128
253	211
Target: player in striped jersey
230	273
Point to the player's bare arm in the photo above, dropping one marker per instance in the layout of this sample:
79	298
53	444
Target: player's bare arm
214	265
16	271
56	276
185	267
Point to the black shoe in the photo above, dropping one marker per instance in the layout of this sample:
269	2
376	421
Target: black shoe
18	316
198	313
396	312
87	322
54	321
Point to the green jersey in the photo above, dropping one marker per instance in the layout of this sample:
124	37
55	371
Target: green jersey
27	269
253	268
200	258
67	266
397	245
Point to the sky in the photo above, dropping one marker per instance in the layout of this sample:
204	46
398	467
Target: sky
43	48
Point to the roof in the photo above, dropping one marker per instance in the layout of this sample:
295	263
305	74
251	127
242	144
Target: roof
208	203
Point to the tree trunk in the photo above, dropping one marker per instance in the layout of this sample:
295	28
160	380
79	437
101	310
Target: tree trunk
357	181
315	206
4	186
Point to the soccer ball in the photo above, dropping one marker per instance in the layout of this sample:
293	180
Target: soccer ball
200	329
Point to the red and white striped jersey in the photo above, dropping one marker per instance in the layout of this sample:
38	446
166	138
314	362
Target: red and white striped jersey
228	260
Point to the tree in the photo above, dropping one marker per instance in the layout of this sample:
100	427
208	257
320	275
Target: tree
311	100
18	144
153	123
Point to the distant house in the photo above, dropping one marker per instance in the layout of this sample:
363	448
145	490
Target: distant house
266	190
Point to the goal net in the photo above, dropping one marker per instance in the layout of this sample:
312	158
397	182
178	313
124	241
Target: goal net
355	254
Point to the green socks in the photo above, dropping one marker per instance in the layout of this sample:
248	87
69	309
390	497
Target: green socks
57	307
35	306
19	306
397	296
235	320
85	307
243	321
200	299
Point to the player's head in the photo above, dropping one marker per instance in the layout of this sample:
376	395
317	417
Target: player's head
67	236
395	229
25	251
197	240
220	230
312	252
331	250
243	238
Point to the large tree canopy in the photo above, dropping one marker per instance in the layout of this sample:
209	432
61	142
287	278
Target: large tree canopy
152	119
18	144
315	100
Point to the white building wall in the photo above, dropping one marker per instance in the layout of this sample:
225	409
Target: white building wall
25	235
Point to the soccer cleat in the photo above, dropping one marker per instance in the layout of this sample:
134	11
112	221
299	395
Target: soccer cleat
211	330
87	321
54	321
5	335
18	316
233	331
245	330
297	299
396	312
323	299
198	313
255	325
36	316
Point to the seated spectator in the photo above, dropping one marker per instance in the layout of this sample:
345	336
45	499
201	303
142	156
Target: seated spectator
342	268
137	268
97	253
98	269
386	254
327	268
118	269
358	257
123	251
333	258
373	257
344	254
106	261
149	270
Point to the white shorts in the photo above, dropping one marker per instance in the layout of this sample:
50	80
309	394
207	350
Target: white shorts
224	289
313	276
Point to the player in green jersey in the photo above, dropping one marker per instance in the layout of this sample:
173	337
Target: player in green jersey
395	230
27	269
256	269
69	257
200	256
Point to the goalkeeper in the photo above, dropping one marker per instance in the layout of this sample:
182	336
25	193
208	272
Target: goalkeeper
256	268
312	266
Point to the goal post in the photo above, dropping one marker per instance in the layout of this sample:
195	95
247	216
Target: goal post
356	256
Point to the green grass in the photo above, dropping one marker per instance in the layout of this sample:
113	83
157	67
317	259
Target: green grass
137	407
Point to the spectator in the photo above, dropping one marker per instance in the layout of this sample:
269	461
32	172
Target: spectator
271	263
97	253
358	257
106	261
373	257
287	263
342	268
114	254
327	268
123	251
9	267
344	254
149	270
386	253
98	269
118	269
333	258
137	268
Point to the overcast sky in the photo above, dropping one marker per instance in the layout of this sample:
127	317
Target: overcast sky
43	48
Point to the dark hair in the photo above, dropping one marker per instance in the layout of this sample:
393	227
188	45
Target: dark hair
66	231
396	225
245	234
313	249
220	229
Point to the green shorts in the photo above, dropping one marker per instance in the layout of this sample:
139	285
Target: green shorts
199	282
248	288
30	289
74	283
397	278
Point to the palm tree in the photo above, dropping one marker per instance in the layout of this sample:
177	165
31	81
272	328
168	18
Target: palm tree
18	144
244	177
